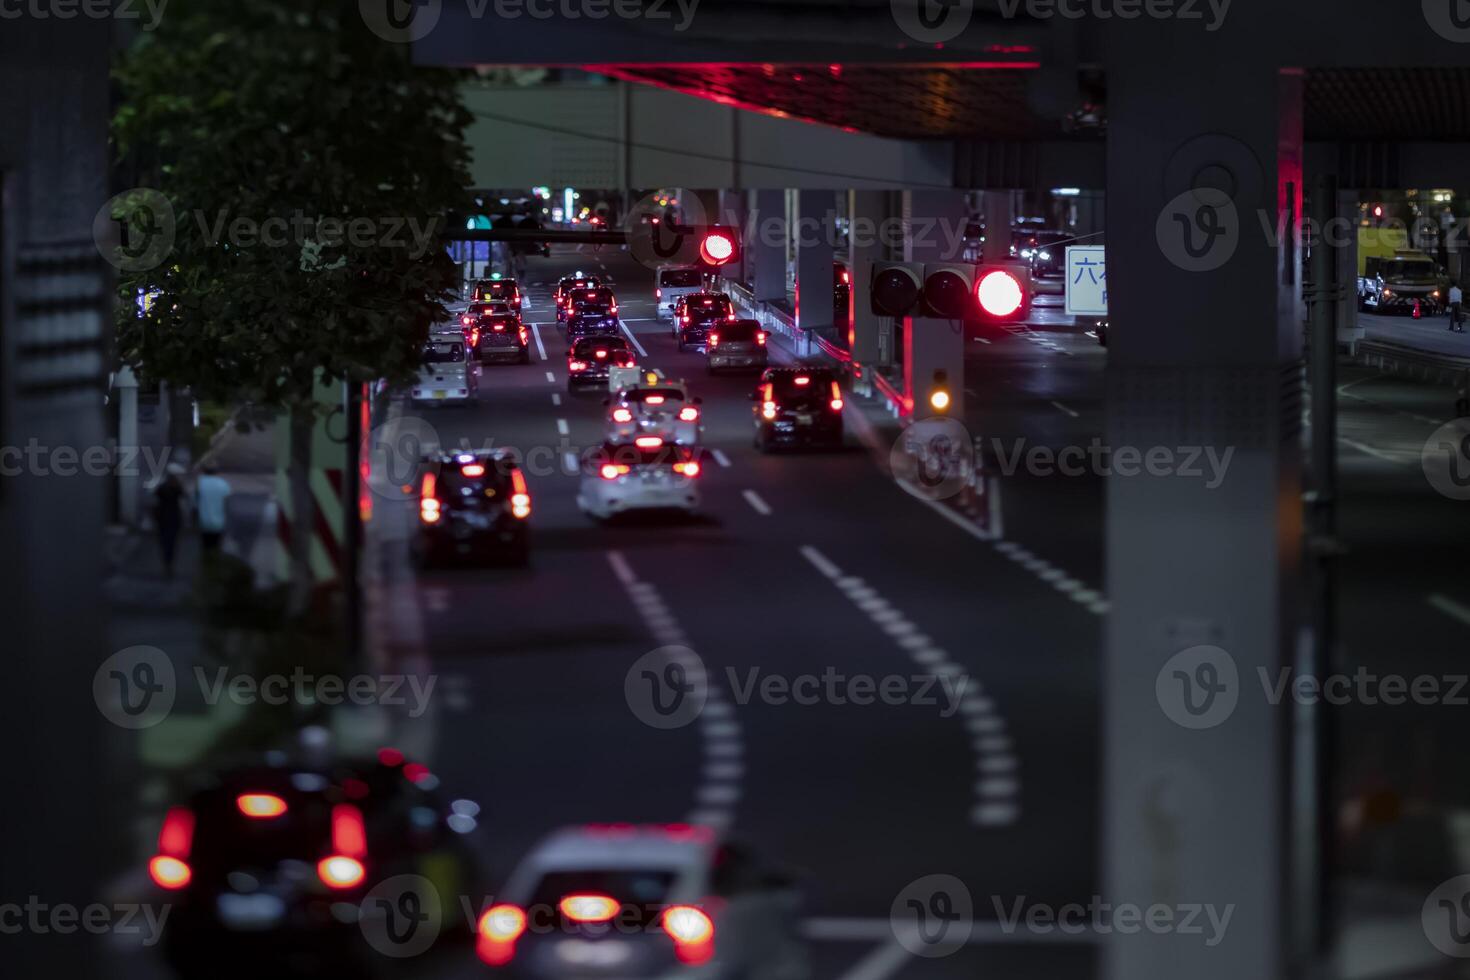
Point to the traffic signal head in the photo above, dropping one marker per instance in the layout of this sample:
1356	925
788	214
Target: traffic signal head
939	397
717	246
947	291
1003	291
895	288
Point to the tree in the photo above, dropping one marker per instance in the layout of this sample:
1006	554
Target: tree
308	167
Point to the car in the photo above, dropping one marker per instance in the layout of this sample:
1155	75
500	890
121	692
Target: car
587	297
576	280
736	344
800	406
498	289
445	374
591	359
592	322
672	284
640	902
698	313
266	864
502	337
646	474
472	505
665	409
1046	251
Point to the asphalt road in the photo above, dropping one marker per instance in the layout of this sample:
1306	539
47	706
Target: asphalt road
994	784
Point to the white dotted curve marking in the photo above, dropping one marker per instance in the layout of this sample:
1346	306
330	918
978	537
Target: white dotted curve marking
724	750
1090	599
997	780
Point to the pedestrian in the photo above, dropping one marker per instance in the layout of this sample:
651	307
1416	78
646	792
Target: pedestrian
1456	298
210	495
168	514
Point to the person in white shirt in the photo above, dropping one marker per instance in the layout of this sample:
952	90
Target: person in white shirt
1456	298
210	495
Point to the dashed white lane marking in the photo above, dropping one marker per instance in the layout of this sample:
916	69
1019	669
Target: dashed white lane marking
991	756
556	398
982	340
720	777
720	457
882	963
562	428
632	339
1064	408
569	463
536	332
756	503
1450	607
1067	585
550	377
1363	448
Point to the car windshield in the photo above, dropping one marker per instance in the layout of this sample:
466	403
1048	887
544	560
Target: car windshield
680	278
1409	269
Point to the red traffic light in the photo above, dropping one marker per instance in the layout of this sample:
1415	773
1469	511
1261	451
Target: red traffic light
999	293
716	248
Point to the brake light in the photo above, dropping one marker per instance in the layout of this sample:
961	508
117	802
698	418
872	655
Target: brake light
611	471
475	336
499	327
689	469
836	397
648	442
687	925
472	469
614	308
349	837
601	355
428	503
684	319
520	497
465	320
502	924
577	366
709	302
658	293
260	805
760	336
801	380
340	871
622	415
523	336
846	276
688	414
731	318
168	869
170	873
768	404
654	400
588	908
713	341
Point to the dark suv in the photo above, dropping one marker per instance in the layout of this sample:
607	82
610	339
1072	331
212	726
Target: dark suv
697	314
736	344
797	407
472	505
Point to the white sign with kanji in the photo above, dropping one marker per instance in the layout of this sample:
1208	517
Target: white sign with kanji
1087	281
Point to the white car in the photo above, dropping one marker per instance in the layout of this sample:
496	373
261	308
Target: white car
643	903
446	374
646	474
672	283
665	410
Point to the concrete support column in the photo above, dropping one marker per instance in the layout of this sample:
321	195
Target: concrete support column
998	217
816	235
733	211
1347	266
933	221
766	248
128	499
1202	571
868	335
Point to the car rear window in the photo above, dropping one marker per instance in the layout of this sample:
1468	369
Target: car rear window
641	893
740	330
585	347
680	278
225	839
787	384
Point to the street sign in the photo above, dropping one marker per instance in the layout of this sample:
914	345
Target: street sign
1087	281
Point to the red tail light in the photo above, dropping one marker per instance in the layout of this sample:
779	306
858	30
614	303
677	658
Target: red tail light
648	442
732	318
836	397
343	868
684	319
169	868
688	414
340	871
692	931
713	341
502	924
465	320
523	336
768	402
801	380
261	806
588	908
520	496
622	415
658	293
577	366
689	469
168	872
498	327
846	277
760	336
611	471
428	503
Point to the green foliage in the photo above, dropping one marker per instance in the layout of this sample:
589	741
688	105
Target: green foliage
262	118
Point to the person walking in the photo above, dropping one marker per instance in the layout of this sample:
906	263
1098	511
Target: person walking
210	495
1456	317
168	514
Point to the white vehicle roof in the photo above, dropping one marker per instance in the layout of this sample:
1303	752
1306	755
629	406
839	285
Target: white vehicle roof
679	848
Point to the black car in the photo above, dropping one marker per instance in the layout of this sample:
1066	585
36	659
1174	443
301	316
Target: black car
472	505
590	359
562	295
587	297
797	407
263	863
498	290
697	314
1047	253
591	321
503	337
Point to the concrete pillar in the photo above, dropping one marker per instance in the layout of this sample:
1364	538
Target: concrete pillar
816	235
126	384
933	222
866	332
1202	575
733	211
766	247
1347	267
998	216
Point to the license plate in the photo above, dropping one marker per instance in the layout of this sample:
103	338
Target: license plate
803	419
440	394
247	913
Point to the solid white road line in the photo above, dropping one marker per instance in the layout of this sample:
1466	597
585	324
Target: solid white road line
755	501
880	964
1450	607
536	332
562	428
1064	408
550	377
720	457
821	561
632	339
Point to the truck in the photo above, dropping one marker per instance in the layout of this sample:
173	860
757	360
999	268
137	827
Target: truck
1394	278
